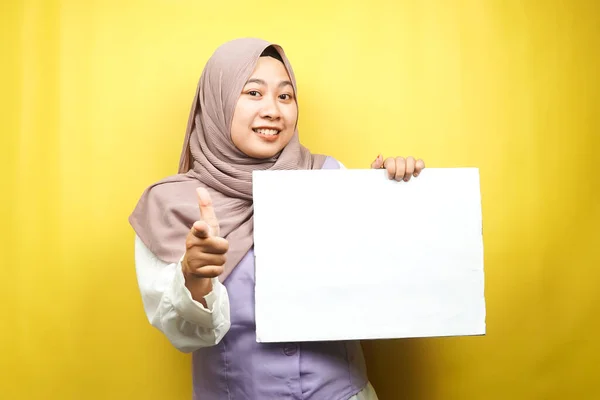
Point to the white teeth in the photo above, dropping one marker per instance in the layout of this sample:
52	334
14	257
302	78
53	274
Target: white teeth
267	131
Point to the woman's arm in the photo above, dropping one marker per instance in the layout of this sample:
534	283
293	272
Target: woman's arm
169	305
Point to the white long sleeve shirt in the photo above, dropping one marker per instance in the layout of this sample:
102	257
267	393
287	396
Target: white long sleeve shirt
170	307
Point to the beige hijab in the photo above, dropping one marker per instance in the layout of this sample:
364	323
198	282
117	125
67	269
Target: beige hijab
167	209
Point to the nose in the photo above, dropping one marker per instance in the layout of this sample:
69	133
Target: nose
270	108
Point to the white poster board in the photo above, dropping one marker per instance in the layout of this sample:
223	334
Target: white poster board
350	254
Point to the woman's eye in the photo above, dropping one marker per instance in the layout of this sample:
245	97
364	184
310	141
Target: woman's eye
285	97
253	93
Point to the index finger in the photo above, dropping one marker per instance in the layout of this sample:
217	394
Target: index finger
207	211
419	166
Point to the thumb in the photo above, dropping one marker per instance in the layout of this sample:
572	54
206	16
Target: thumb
207	211
378	163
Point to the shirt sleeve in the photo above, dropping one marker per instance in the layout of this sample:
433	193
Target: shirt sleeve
170	308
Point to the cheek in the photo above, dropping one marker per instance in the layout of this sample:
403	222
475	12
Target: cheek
239	115
291	115
241	120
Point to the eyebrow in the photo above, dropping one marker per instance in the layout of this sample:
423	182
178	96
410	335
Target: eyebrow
262	82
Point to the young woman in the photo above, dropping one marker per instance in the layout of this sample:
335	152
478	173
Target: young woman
194	236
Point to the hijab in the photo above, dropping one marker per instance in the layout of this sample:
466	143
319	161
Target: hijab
167	209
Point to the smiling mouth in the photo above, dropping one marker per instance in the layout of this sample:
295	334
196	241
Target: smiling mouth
266	132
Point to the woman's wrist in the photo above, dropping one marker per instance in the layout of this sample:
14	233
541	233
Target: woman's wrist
198	287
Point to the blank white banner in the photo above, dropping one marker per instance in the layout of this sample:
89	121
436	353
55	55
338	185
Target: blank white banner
349	254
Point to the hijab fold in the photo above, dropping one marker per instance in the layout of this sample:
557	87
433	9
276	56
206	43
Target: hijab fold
167	209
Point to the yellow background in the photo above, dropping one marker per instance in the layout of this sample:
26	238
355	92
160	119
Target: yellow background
95	98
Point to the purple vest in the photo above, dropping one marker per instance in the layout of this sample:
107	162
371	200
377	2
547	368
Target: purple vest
238	368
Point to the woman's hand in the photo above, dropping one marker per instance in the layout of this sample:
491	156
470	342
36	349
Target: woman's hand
205	252
399	168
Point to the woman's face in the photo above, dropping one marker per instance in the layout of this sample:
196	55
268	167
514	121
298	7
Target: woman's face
266	112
